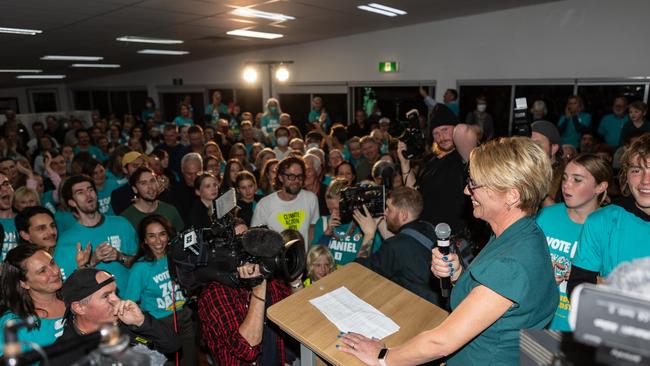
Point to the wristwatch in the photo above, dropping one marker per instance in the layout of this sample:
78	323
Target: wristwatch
382	356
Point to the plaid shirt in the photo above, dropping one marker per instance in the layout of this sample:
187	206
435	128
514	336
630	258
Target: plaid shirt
222	309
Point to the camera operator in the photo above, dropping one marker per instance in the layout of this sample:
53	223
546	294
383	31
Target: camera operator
402	258
91	300
234	325
441	177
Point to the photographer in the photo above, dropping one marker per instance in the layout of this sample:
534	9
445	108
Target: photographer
234	325
403	258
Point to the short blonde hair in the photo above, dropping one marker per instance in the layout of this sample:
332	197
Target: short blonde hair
513	163
314	254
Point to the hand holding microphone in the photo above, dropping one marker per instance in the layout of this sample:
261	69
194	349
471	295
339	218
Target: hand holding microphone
441	256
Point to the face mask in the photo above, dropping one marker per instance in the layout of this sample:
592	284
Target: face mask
283	141
273	109
309	146
149	105
481	107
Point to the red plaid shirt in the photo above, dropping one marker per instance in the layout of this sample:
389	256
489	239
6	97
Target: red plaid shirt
222	309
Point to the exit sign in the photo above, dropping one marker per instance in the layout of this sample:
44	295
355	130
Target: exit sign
388	66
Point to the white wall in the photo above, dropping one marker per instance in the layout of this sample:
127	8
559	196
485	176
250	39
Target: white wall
566	39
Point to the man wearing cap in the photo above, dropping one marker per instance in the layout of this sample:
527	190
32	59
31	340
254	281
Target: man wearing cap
441	178
112	238
91	300
547	136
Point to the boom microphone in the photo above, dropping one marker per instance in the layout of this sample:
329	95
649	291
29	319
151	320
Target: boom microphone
443	232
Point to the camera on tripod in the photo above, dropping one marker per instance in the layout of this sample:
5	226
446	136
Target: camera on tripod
521	119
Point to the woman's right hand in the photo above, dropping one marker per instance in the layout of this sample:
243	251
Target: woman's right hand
447	265
404	162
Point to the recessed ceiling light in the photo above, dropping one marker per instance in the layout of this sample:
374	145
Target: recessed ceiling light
254	34
252	13
148	40
382	9
101	66
20	71
72	58
40	77
163	52
27	32
387	8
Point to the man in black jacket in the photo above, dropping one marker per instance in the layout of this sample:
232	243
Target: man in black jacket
91	301
403	258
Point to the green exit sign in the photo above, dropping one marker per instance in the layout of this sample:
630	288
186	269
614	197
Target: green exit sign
388	66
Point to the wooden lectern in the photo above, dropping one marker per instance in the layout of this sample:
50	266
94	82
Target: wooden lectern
301	320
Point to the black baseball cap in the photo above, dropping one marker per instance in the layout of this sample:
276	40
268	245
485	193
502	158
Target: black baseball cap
83	283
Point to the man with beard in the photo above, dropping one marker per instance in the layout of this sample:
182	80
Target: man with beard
112	238
7	215
403	258
146	187
290	207
441	177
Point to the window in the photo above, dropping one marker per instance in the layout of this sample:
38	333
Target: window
119	103
113	101
9	103
43	100
250	100
393	101
498	104
598	99
82	100
172	101
297	105
100	102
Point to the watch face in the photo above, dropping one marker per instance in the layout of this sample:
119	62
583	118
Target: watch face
382	353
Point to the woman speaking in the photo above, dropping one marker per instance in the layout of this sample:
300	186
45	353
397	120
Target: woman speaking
508	287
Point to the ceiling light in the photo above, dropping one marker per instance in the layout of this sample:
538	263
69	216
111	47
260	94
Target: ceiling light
72	58
163	52
387	8
20	71
40	77
148	40
282	74
250	75
101	66
28	32
252	13
254	34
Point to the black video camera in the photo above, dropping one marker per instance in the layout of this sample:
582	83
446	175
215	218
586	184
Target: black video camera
200	256
354	198
521	119
409	132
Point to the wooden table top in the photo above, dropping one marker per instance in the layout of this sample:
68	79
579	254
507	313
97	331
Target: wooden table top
303	321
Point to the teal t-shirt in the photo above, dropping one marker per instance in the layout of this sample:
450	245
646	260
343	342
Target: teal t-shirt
182	121
562	236
94	151
570	135
115	230
44	335
11	236
217	113
64	220
610	236
104	197
314	116
344	246
151	286
516	265
610	127
269	123
47	201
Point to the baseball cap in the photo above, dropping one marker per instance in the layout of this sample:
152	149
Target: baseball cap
83	283
130	157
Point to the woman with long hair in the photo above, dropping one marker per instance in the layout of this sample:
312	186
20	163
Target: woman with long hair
267	177
30	284
151	286
584	188
233	167
206	187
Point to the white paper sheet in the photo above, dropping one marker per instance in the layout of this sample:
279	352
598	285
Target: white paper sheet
351	314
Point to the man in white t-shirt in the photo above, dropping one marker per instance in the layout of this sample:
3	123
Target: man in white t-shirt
290	207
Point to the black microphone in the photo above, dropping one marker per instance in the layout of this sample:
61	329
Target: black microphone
443	232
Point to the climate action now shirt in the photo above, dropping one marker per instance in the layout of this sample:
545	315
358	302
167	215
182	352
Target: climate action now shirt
152	287
279	215
562	236
114	230
48	331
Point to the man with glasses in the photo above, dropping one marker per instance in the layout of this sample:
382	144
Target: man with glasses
290	207
144	184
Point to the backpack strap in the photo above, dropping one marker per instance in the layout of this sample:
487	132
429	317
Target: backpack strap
419	237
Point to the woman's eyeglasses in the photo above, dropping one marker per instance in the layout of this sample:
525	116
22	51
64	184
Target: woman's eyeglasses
472	186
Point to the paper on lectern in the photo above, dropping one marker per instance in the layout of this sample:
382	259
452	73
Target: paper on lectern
351	314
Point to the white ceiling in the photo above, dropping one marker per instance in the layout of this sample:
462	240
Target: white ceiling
89	27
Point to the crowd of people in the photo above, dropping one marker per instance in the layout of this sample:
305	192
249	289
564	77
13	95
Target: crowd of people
88	209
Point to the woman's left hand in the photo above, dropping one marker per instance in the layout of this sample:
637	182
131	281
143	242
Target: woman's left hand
363	348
